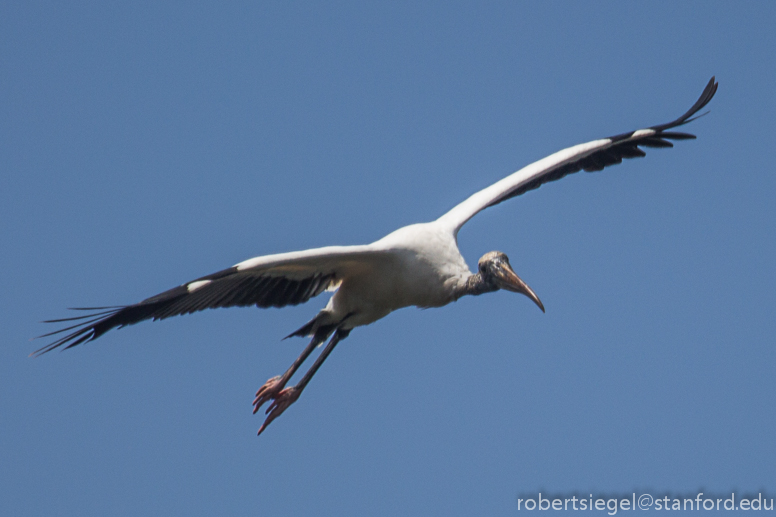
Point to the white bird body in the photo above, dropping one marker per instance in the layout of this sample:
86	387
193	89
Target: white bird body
425	270
418	265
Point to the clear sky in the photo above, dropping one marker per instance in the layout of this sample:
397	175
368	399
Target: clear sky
145	145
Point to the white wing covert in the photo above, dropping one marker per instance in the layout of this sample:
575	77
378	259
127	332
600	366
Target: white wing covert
590	157
268	281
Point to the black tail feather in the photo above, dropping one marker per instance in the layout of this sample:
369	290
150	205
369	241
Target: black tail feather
316	327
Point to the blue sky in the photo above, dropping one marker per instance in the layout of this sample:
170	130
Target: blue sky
148	144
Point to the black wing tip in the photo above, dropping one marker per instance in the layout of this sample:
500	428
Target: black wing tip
87	316
708	93
623	146
674	135
80	336
703	100
92	328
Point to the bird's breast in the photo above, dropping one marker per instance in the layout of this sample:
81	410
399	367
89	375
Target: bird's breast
422	267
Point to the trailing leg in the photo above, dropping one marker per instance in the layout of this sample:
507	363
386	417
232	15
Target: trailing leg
273	386
282	400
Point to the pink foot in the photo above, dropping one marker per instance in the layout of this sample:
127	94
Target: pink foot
279	404
269	391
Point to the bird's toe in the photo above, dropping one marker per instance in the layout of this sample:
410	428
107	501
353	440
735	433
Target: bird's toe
279	404
267	392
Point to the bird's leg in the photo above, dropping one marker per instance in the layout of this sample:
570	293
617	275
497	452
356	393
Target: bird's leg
273	386
288	396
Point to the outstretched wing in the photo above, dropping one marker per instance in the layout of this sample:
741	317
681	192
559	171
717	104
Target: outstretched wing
591	156
269	281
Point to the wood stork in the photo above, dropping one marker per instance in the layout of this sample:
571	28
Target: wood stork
416	265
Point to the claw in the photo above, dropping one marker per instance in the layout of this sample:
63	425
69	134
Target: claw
269	391
279	404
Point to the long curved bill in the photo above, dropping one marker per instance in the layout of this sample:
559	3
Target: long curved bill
507	279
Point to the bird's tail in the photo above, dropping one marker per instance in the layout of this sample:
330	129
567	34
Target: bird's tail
320	325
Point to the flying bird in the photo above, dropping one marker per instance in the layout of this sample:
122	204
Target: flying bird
416	265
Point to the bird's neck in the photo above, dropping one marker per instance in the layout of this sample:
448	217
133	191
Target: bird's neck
476	285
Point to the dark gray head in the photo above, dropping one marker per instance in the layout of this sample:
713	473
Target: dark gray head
495	273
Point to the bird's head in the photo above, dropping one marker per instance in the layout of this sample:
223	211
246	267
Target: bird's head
495	273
